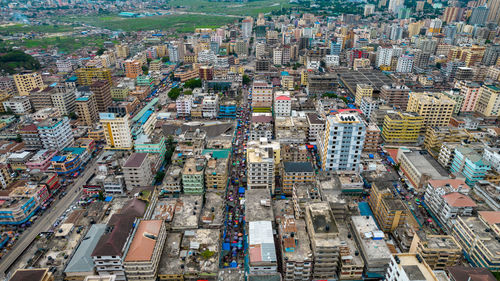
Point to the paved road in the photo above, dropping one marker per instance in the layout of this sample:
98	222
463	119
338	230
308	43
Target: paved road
47	219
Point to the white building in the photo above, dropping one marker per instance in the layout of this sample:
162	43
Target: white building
368	105
261	242
246	28
173	53
332	60
282	104
262	94
117	130
384	55
210	106
55	133
409	267
260	171
64	66
394	5
316	127
18	105
183	105
277	56
369	9
492	155
207	56
341	143
64	101
405	64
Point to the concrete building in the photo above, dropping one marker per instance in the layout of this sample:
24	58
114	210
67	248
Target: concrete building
193	180
295	173
470	93
489	101
395	95
402	127
436	136
341	143
143	255
435	108
27	82
89	74
183	105
133	68
438	251
372	138
262	94
419	167
64	101
261	168
18	105
470	164
477	237
122	51
374	250
34	274
262	254
282	104
295	248
316	127
216	173
409	267
116	130
55	133
86	109
323	231
388	209
137	171
362	90
102	92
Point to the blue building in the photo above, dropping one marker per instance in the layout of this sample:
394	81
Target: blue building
227	110
470	164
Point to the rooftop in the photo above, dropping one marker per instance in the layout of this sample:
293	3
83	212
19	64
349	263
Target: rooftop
261	242
459	200
82	260
298	167
144	241
258	205
186	217
322	218
135	160
35	274
414	269
371	239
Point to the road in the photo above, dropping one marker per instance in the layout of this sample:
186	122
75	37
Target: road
47	219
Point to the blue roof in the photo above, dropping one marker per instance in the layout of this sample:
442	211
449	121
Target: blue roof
108	199
284	73
72	79
74	150
364	209
82	260
58	158
145	117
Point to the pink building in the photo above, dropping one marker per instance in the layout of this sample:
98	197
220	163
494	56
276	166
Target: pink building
470	91
41	160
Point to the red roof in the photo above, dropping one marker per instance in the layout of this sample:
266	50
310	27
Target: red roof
455	183
491	217
456	199
283	98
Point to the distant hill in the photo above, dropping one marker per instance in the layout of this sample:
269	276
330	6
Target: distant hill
12	61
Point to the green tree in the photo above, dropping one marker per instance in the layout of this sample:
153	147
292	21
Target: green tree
100	51
19	139
174	93
193	83
73	116
145	69
246	80
148	60
188	92
165	59
100	196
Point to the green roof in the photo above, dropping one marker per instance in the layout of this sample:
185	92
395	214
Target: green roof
493	87
217	153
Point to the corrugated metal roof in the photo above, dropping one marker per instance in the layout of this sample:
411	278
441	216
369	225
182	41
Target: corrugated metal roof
82	260
261	239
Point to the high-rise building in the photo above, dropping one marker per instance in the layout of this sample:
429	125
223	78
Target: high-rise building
388	209
479	15
452	14
409	267
262	94
491	54
335	48
395	95
133	68
64	101
89	74
137	171
405	64
489	100
246	28
341	143
102	92
494	14
369	9
86	109
122	51
435	26
394	5
362	90
402	127
116	130
260	173
55	133
384	56
435	108
26	82
470	93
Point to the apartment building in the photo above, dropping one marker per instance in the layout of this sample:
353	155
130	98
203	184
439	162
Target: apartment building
477	235
27	82
89	74
296	172
409	267
297	262
86	109
262	254
262	94
40	98
435	108
323	232
55	133
341	143
102	93
183	105
137	171
193	181
469	163
116	130
122	51
133	68
143	255
282	104
261	168
470	92
64	101
210	106
489	101
18	105
436	136
372	138
438	251
362	91
5	178
216	173
395	95
388	209
316	126
373	249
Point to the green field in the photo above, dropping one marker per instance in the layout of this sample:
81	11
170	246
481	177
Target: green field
231	8
65	44
180	23
24	28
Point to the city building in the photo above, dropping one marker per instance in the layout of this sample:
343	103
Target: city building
34	274
438	251
133	68
295	173
341	143
402	127
137	171
89	74
64	101
193	181
102	93
409	267
395	95
17	105
372	138
469	163
262	94
362	90
116	130
86	109
489	101
435	108
260	168
262	257
436	136
55	133
282	104
419	167
27	82
388	209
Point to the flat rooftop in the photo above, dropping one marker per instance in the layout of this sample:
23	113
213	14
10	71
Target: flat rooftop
186	217
373	249
212	213
322	217
426	164
302	250
170	261
414	269
256	205
351	78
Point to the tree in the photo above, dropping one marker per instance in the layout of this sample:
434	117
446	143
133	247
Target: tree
438	65
19	139
165	59
188	92
148	60
145	69
100	51
100	196
73	116
246	80
174	93
159	176
193	83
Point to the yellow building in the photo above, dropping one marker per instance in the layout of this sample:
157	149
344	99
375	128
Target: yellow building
360	63
216	173
155	66
26	82
362	90
88	75
190	58
96	134
388	209
439	251
296	173
477	237
5	178
120	93
402	127
86	109
304	75
122	51
436	136
4	96
489	101
287	82
435	108
116	130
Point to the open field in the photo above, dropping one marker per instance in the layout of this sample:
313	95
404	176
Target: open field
25	28
180	23
65	44
231	8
